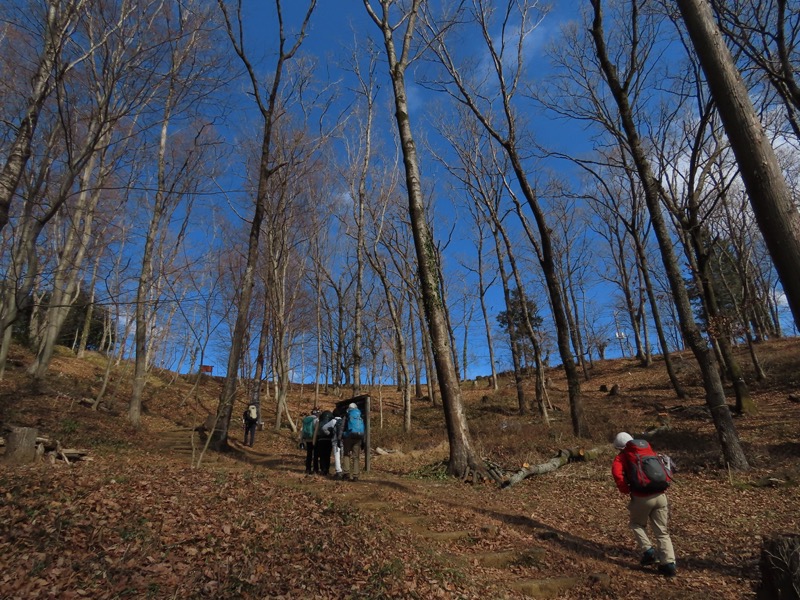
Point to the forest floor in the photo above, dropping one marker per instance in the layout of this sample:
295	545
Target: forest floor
141	519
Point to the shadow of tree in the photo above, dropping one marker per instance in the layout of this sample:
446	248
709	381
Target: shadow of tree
617	554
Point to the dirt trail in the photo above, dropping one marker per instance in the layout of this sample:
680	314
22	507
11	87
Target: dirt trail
516	539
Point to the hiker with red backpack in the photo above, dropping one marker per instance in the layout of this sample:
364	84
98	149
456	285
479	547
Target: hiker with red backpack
645	476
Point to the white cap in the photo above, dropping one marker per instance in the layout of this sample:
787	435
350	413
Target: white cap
622	439
352	405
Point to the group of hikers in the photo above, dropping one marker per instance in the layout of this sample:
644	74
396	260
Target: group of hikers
323	433
638	471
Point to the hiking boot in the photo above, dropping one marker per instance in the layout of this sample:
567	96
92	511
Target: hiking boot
667	569
649	557
337	476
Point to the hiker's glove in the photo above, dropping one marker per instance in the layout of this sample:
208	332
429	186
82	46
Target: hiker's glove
302	446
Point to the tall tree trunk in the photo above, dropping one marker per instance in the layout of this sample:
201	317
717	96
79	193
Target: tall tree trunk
71	256
414	348
144	289
485	313
60	20
463	457
627	293
87	321
513	335
718	329
580	426
401	360
644	270
430	371
770	197
715	394
267	168
261	362
318	320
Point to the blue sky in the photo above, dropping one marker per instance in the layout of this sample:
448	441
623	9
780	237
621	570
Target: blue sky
334	27
335	24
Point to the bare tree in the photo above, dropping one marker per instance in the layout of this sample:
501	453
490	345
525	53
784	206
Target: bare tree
176	168
387	247
361	158
88	125
270	108
481	173
491	97
696	176
770	197
620	87
463	457
767	34
57	27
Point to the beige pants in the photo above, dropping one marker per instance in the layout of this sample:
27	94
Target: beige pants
352	453
652	509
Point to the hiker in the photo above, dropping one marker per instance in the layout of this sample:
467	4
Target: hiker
335	428
353	436
322	443
250	420
642	474
307	427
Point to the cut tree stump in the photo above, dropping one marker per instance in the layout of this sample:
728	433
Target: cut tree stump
780	568
21	445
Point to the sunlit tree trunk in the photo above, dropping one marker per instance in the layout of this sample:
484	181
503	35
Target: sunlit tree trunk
463	457
715	394
60	21
267	168
513	335
770	197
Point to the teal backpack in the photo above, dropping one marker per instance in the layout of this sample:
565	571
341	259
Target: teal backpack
308	427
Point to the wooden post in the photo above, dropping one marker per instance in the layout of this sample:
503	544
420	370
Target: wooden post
367	457
21	445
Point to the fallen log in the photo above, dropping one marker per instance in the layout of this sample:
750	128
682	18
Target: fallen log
39	447
564	456
383	452
568	455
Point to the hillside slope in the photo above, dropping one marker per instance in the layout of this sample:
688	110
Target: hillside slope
138	521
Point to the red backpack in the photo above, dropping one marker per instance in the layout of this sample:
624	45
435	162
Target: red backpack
645	471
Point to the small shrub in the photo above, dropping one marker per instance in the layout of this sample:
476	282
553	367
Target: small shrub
68	426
